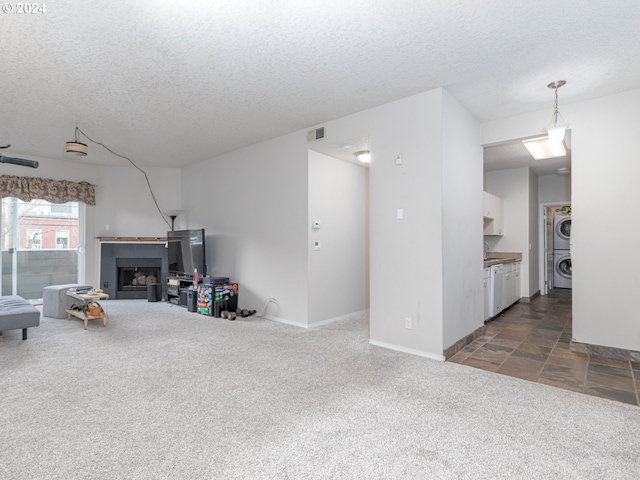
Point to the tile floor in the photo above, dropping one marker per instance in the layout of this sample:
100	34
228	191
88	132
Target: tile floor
531	341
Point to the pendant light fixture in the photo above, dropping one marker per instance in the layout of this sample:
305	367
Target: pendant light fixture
76	147
557	127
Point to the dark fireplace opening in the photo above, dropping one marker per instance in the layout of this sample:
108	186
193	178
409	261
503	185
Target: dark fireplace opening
132	279
134	275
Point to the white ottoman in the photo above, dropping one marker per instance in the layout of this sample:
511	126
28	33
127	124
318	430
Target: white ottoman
55	300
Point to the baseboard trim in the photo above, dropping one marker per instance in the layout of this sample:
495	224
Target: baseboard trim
531	298
410	351
317	324
602	351
337	319
286	321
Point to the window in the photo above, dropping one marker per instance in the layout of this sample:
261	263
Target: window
62	239
34	238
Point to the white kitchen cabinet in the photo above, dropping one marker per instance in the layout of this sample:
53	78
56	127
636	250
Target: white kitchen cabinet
493	214
487	293
507	285
516	282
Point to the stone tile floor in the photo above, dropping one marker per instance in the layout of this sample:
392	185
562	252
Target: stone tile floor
531	341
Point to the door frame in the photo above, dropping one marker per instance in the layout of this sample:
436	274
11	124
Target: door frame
542	242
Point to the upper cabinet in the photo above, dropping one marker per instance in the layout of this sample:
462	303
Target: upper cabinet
493	214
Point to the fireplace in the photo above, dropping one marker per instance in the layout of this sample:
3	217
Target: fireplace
134	274
126	269
136	279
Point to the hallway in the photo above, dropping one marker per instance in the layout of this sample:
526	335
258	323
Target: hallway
531	341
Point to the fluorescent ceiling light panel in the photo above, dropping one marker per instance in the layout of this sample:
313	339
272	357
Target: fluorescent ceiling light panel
541	148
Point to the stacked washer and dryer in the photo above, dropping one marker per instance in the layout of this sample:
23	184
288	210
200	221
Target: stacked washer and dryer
561	248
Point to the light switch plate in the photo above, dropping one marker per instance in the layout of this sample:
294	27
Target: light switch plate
400	214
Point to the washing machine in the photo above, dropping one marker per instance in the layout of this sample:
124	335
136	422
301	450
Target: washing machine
561	269
561	230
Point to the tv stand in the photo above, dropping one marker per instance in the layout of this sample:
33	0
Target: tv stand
177	287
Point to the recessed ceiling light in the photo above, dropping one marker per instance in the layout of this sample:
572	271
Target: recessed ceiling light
541	148
346	146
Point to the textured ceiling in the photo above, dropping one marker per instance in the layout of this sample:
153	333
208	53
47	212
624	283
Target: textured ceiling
170	83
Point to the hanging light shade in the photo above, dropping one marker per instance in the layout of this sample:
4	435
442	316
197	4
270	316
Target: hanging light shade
363	156
76	146
557	126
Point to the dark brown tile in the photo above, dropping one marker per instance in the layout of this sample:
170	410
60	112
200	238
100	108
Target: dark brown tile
533	352
521	367
595	379
534	315
569	378
576	361
625	396
635	366
482	364
458	357
514	333
610	370
543	337
492	353
608	361
513	344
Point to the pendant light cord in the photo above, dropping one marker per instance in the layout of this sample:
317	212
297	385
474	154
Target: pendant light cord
132	163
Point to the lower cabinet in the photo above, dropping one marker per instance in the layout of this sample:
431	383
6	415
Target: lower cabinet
503	291
487	293
516	282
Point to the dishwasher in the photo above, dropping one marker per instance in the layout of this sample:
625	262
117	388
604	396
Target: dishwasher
495	283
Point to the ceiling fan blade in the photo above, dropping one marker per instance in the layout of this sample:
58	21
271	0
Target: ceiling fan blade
19	161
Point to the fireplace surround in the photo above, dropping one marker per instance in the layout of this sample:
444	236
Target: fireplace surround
127	268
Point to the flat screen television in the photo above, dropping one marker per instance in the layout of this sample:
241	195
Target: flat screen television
186	251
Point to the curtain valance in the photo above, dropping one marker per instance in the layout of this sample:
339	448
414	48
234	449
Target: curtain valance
54	191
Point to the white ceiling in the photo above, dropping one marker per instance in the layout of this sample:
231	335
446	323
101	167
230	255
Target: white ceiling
171	83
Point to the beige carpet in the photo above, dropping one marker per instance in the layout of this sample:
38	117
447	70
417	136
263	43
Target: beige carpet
161	393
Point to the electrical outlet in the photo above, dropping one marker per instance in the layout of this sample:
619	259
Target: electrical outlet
407	323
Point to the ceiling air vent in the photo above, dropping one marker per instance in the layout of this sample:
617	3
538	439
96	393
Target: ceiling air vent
317	134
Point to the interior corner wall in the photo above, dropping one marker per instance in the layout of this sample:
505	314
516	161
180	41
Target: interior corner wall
338	281
405	254
605	175
253	205
512	185
462	160
125	206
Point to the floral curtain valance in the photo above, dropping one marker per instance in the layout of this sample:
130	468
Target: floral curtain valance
55	191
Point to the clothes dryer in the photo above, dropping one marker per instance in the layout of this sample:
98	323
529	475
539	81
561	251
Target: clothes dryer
562	274
561	230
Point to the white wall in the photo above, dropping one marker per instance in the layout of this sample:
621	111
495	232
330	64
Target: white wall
605	177
253	204
462	224
512	186
534	240
338	280
406	254
125	206
554	189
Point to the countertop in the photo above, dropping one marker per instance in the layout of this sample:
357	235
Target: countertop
496	258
